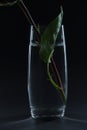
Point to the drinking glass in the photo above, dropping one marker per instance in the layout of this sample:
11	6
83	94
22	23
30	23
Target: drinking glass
44	99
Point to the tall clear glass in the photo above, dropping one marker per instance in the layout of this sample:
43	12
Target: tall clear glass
45	101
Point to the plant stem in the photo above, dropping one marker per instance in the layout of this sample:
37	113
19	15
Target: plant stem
29	17
56	73
31	21
56	85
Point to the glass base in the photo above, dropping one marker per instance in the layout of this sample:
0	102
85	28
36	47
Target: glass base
47	113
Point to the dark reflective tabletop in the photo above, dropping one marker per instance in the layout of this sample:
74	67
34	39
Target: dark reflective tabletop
51	124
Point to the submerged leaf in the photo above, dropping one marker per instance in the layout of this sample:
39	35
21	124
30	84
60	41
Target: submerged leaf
49	36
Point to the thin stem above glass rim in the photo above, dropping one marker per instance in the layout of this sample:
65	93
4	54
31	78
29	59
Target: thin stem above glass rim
27	14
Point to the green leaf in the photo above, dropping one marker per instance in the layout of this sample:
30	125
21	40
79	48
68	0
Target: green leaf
49	36
48	42
7	4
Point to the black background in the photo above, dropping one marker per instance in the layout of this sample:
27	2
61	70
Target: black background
14	41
